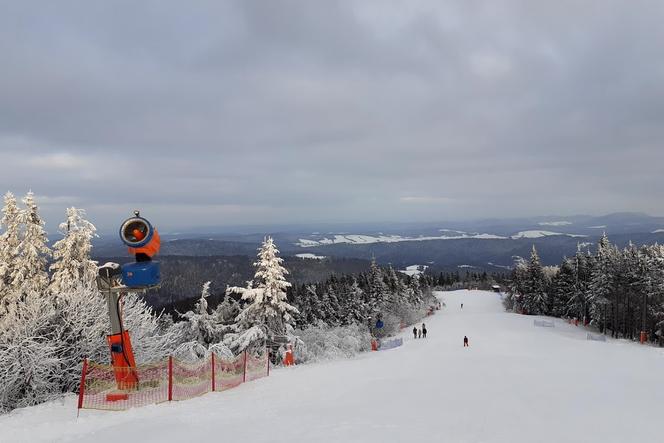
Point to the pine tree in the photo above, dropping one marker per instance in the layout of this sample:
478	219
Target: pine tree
267	313
9	242
377	290
201	326
73	269
535	298
602	281
29	276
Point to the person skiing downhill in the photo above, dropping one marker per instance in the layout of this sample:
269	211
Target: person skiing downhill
461	305
465	342
419	333
414	332
424	331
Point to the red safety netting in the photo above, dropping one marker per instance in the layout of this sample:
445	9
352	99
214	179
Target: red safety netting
112	388
100	386
256	366
229	373
191	379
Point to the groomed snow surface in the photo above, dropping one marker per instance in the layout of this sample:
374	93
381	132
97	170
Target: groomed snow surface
515	383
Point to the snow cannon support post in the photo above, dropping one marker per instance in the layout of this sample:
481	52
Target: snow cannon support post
643	337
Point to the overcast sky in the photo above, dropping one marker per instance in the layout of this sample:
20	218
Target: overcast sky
259	112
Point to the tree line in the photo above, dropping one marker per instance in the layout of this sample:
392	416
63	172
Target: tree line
620	291
52	314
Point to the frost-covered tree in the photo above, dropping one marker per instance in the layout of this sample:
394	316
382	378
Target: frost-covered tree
377	289
29	275
73	269
267	313
9	242
535	299
601	288
30	368
200	325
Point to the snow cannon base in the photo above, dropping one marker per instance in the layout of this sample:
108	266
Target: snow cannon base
117	396
141	274
122	358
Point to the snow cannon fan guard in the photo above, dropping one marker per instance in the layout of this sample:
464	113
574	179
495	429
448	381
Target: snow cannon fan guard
144	243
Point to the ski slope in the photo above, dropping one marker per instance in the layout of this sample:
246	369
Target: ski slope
516	383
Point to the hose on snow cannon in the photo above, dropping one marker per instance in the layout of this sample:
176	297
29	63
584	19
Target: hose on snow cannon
144	243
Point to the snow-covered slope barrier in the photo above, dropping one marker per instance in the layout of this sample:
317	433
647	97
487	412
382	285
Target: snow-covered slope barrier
515	383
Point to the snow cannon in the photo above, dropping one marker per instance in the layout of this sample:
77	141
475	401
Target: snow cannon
144	243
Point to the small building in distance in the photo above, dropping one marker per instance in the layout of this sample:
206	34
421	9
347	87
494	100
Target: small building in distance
495	288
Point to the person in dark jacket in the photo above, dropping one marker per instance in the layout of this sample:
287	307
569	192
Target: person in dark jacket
424	331
465	342
414	332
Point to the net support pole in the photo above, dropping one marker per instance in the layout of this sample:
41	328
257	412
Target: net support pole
244	372
213	377
170	378
81	391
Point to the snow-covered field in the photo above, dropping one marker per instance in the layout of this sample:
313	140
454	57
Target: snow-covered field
540	234
414	269
311	256
516	383
368	239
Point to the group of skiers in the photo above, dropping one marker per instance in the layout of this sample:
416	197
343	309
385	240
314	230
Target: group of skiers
420	333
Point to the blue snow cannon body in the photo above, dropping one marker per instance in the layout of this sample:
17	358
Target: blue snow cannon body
144	243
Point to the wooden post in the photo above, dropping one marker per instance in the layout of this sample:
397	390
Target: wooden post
170	378
267	355
244	372
213	378
81	391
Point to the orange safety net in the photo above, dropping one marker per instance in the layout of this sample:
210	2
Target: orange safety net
100	388
167	380
229	373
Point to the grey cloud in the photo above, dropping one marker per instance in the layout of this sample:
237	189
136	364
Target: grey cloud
290	111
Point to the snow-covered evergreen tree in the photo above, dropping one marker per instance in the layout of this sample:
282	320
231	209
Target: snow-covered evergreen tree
29	276
535	299
9	242
377	290
200	325
267	313
73	269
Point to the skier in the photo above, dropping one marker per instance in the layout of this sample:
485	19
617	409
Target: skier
424	331
414	332
419	333
465	342
462	306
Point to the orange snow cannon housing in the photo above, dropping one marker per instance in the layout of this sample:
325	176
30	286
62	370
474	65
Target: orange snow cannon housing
151	248
123	362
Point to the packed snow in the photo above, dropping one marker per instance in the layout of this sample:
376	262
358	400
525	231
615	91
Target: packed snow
311	256
368	239
515	383
539	234
555	223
